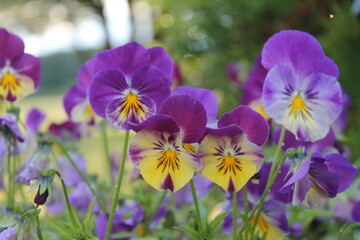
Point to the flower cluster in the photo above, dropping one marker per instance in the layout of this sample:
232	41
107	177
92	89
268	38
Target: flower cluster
279	147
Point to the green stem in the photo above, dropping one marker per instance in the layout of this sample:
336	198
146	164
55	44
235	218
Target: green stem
106	151
246	208
153	214
197	208
68	206
10	176
39	228
118	185
83	176
274	171
234	215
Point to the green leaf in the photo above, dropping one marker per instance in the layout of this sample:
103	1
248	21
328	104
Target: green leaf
10	221
217	220
188	229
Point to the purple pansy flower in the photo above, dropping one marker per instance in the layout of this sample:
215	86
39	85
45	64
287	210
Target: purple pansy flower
3	150
319	178
65	130
81	196
34	119
19	71
126	219
177	79
301	90
130	83
76	100
9	233
272	220
157	148
355	213
231	154
68	172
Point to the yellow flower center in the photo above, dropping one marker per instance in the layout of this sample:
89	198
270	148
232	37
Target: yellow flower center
229	164
298	106
9	82
168	160
132	104
88	110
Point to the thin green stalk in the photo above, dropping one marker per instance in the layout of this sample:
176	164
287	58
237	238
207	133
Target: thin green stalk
278	152
197	208
246	207
234	215
106	151
153	214
68	206
83	176
118	185
39	228
274	171
10	176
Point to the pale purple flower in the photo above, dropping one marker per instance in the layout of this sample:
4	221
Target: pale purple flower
301	90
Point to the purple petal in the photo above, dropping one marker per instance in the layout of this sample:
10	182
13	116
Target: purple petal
254	84
184	110
356	212
320	175
126	59
85	74
342	168
329	67
31	168
206	97
151	82
9	233
106	87
276	211
159	122
177	78
251	122
69	174
161	59
81	196
10	121
11	45
301	188
296	48
101	223
298	175
76	94
233	71
30	66
116	114
34	119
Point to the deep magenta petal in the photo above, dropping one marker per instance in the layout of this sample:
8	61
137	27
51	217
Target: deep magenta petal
11	45
159	122
104	88
188	113
206	97
161	59
298	175
252	123
296	48
126	59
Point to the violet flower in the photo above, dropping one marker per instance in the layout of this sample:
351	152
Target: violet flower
19	71
231	154
233	71
65	130
9	127
81	196
301	90
126	219
319	178
177	79
34	119
76	100
69	174
130	83
157	148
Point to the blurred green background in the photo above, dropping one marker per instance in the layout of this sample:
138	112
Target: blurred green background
202	36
